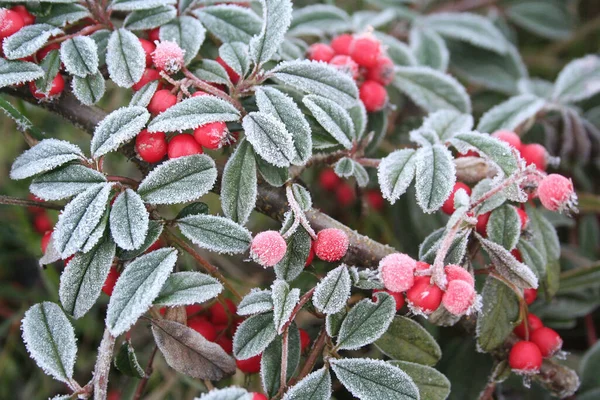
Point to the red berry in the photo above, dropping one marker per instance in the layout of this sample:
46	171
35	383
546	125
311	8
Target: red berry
151	147
153	35
320	52
155	246
345	194
482	221
557	194
311	255
530	295
258	396
331	244
456	272
161	101
373	95
341	44
249	366
201	325
268	248
375	199
509	137
525	358
225	343
233	76
459	297
523	217
199	93
58	85
533	324
398	297
422	266
28	18
10	23
548	341
382	72
469	153
345	64
212	135
397	272
218	315
148	47
42	223
68	260
193	309
304	340
448	207
148	76
45	240
517	255
111	281
183	145
424	297
113	395
328	180
365	51
43	52
535	154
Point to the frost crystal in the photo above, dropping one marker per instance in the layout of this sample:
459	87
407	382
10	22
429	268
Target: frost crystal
397	272
168	56
269	138
143	96
435	177
236	57
508	266
184	288
255	302
447	123
187	32
277	16
239	184
28	40
129	220
89	90
80	56
44	156
230	23
332	293
230	393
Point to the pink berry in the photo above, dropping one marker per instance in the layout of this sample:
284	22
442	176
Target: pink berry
320	52
250	365
530	295
331	244
345	64
58	85
424	297
548	341
345	194
148	47
373	95
153	35
161	101
28	18
448	206
382	72
183	145
397	272
341	44
459	297
365	51
168	57
268	248
533	323
456	272
151	147
535	154
234	77
525	358
556	193
148	76
398	297
328	180
212	135
508	137
199	93
10	23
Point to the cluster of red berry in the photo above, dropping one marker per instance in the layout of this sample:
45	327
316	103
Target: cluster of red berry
363	58
345	194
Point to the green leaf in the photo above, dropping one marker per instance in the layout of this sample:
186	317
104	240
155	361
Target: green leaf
316	19
23	123
544	234
80	56
292	263
435	176
149	19
429	48
130	5
507	265
398	51
117	128
447	123
83	278
212	71
155	228
504	226
333	322
101	38
187	32
65	182
578	279
498	152
214	233
89	90
534	259
269	138
17	72
142	97
179	180
332	117
125	58
369	379
579	80
185	288
239	184
588	369
44	156
432	384
314	386
137	287
230	23
406	340
511	114
253	336
498	316
333	291
277	16
395	173
126	361
51	65
28	40
429	247
270	363
274	176
256	302
548	19
366	322
62	15
284	300
236	56
129	220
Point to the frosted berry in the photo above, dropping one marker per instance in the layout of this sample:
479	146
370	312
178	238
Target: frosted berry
201	325
234	77
397	272
111	281
341	44
148	47
533	324
375	199
42	223
168	57
508	137
10	23
58	85
225	343
523	217
268	248
161	101
183	145
556	193
456	272
218	314
482	221
548	341
424	297
45	240
320	52
328	180
250	365
365	51
331	244
304	340
382	72
311	255
530	295
448	206
398	297
459	297
148	76
28	18
525	358
346	65
258	396
345	194
153	35
212	135
535	154
373	95
151	147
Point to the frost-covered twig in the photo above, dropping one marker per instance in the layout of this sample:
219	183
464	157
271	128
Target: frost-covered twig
299	217
103	361
15	201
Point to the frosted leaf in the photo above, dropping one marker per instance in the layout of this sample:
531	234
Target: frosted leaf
370	379
270	361
231	393
230	23
51	66
63	14
185	288
61	397
395	173
535	86
215	233
332	293
284	301
510	114
212	71
315	19
142	97
193	112
149	19
398	51
429	48
497	151
179	180
367	279
366	322
50	340
302	196
155	228
126	361
101	38
579	80
51	255
435	177
358	114
44	156
236	57
193	209
428	249
28	40
447	123
318	78
117	128
291	49
504	226
137	287
269	138
65	182
82	280
508	266
432	384
292	263
367	19
125	58
89	90
79	218
187	32
534	259
80	56
432	90
344	168
314	386
21	121
129	5
277	16
332	117
544	234
129	220
423	137
97	233
472	28
256	302
253	336
239	184
17	72
333	322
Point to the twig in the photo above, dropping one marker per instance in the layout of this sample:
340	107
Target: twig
463	5
299	216
142	385
102	369
311	360
124	180
303	300
284	360
16	201
200	84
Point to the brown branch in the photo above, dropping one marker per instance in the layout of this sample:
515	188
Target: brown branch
142	385
463	5
15	201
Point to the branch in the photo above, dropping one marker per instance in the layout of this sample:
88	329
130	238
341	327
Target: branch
463	5
102	369
15	201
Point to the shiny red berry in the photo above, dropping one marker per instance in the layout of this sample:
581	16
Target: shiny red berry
258	396
10	23
311	255
250	365
523	217
111	281
28	18
42	223
148	47
153	34
225	343
328	180
365	51
148	76
533	324
382	72
320	52
530	295
304	340
201	325
346	65
424	297
193	309
212	135
234	77
183	145
548	340
341	44
509	137
151	147
482	221
161	101
218	314
398	297
58	85
525	358
535	154
448	206
373	95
